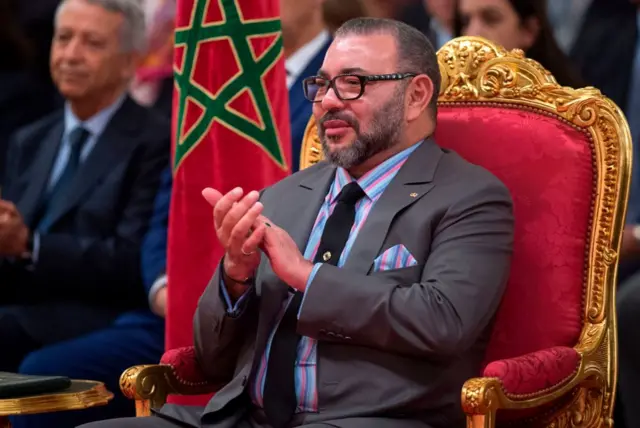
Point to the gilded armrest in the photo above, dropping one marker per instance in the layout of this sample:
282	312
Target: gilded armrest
178	373
526	382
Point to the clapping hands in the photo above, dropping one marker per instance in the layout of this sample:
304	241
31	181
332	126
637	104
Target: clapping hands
246	234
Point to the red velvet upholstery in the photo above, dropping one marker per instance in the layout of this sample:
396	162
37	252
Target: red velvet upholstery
526	374
548	167
535	372
184	363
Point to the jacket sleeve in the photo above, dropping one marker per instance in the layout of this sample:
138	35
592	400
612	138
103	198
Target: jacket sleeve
218	334
154	246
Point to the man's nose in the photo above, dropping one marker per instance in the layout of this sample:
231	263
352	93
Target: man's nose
72	50
331	100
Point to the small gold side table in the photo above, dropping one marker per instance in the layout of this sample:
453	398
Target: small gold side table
82	394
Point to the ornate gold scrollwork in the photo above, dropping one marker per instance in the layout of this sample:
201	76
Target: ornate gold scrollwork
584	411
480	395
149	385
591	336
311	152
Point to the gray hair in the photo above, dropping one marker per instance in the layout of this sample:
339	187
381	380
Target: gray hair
415	52
134	31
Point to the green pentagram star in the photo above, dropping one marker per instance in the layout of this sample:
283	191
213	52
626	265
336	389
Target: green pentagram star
251	72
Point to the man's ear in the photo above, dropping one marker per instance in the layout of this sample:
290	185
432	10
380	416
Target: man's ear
418	97
133	61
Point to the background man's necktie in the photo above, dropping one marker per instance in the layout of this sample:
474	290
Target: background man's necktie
279	391
77	138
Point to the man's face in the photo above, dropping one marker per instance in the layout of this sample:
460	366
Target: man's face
86	55
353	131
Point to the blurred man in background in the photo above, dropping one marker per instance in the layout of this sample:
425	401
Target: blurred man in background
77	197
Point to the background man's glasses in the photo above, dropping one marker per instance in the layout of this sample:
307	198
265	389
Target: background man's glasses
347	87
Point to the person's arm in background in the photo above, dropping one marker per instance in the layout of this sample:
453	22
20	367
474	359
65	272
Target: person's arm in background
154	248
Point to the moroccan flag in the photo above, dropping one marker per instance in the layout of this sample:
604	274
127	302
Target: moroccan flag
231	128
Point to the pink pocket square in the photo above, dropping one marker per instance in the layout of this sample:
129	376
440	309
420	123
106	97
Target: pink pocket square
395	257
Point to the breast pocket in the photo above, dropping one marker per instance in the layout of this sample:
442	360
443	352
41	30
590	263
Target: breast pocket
405	275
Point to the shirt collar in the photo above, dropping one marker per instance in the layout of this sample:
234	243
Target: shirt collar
375	181
298	61
96	123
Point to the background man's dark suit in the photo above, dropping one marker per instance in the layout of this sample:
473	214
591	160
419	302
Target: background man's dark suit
605	47
300	108
88	267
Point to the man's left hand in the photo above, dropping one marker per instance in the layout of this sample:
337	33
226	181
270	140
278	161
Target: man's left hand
286	260
14	234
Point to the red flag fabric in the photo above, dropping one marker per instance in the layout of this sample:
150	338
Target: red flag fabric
231	128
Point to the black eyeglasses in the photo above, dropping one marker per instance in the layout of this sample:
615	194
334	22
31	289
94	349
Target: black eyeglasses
347	87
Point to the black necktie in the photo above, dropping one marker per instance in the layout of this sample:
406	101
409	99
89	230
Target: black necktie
77	138
279	390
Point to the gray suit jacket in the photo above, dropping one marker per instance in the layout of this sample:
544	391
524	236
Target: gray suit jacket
398	343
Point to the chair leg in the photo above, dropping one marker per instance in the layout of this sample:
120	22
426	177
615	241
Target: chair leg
143	408
4	422
481	421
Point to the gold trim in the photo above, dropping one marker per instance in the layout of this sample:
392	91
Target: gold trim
311	151
95	394
476	72
150	385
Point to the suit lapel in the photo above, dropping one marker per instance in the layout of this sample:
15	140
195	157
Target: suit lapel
312	191
46	154
412	182
110	149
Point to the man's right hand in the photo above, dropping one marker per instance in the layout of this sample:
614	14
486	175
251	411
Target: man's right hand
233	217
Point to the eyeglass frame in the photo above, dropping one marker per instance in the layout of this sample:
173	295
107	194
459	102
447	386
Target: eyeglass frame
364	80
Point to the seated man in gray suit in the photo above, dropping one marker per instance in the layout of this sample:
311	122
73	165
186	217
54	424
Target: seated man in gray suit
358	292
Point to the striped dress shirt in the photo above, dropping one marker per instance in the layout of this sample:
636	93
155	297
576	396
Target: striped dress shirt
373	183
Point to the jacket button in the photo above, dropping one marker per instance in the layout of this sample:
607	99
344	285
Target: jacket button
331	334
347	338
322	331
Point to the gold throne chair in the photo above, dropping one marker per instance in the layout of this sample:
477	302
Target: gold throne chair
565	155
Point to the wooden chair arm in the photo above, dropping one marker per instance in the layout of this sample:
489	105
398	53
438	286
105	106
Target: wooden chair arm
482	397
149	386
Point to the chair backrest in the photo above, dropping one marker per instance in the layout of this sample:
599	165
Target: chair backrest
565	156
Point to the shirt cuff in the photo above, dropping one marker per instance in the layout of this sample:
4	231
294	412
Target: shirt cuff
159	283
232	309
314	271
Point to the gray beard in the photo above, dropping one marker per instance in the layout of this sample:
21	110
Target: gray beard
386	127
